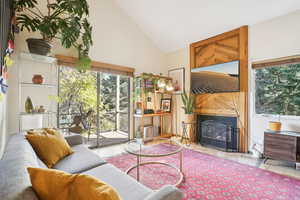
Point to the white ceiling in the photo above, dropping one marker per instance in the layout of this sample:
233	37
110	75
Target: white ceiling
174	24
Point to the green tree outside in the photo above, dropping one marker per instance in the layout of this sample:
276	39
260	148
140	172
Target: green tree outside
278	90
78	95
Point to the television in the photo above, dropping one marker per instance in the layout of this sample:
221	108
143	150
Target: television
217	78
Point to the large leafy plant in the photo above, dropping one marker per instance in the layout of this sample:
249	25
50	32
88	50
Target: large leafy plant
188	102
65	20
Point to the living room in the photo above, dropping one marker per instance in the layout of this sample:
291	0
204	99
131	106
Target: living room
154	100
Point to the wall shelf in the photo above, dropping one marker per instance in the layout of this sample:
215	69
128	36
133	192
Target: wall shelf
28	66
151	115
37	113
37	58
23	84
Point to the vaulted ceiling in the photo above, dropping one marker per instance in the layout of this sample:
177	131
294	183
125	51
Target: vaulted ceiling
173	24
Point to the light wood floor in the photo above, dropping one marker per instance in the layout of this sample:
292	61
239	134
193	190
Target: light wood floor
280	167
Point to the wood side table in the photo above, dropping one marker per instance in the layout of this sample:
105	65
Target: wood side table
282	145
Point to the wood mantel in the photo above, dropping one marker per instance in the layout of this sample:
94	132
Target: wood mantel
226	47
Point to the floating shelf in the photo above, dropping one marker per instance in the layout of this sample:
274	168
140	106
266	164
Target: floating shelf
36	85
165	92
37	58
44	113
151	115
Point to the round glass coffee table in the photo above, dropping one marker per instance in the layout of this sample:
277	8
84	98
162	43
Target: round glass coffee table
136	147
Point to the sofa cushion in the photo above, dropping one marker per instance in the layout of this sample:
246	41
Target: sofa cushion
49	147
14	180
69	186
81	160
74	139
127	187
167	192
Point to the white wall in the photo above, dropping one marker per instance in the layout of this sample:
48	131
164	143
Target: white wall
3	124
117	40
180	58
275	38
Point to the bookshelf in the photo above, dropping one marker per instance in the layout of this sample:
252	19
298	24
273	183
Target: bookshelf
145	94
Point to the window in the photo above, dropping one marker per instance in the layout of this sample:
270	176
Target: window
278	90
81	94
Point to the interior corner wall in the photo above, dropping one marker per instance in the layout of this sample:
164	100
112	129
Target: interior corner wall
274	38
117	40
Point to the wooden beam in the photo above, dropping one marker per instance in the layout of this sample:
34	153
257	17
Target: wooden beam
96	65
243	51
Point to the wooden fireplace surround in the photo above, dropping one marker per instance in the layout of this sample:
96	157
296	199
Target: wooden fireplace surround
226	47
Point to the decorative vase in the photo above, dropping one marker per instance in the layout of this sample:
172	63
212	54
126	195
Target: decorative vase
28	105
275	126
190	120
38	46
37	79
41	109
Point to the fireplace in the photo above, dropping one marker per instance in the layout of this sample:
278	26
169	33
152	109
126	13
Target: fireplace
220	132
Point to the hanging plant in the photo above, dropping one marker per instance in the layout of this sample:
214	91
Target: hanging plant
66	20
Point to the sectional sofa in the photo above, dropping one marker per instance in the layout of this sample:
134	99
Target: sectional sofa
15	182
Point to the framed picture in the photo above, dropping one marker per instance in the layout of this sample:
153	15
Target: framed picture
178	76
166	105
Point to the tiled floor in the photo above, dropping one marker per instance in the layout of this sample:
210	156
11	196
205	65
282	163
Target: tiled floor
279	167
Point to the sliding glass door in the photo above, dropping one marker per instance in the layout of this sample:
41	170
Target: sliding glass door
114	109
95	105
123	102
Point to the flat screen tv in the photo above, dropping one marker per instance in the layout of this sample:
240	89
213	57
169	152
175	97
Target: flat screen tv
216	78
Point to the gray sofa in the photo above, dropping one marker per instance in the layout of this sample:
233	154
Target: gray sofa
15	182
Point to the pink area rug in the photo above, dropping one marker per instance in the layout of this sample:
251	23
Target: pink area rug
210	177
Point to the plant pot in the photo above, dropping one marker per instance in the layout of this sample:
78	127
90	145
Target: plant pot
189	118
275	126
37	79
38	46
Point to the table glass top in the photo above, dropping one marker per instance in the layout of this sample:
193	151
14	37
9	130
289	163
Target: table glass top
164	147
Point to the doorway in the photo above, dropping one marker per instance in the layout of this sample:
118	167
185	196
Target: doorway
95	105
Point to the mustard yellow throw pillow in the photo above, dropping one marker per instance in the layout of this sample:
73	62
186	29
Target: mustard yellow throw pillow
36	132
51	131
49	148
52	184
43	131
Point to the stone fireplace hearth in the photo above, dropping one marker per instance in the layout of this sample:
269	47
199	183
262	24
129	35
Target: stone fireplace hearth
220	132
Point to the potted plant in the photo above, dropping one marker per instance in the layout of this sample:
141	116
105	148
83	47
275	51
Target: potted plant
64	20
188	101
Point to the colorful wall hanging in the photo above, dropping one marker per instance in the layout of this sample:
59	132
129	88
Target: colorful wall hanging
8	28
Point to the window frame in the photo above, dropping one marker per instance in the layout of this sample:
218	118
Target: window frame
266	64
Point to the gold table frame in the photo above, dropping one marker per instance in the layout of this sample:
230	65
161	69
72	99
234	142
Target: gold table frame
139	156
